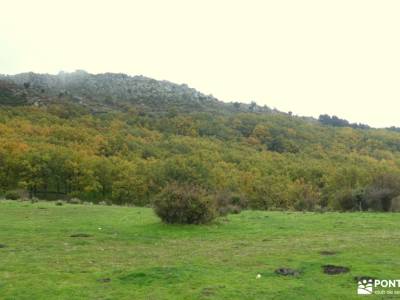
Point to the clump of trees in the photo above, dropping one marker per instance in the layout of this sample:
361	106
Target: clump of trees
338	122
382	194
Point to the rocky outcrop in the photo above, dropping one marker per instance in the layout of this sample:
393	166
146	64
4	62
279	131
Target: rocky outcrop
102	92
109	87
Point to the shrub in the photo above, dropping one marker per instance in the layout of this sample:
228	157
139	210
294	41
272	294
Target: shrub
380	194
228	203
106	202
184	204
34	200
75	201
59	203
321	209
304	196
349	199
396	204
379	199
11	195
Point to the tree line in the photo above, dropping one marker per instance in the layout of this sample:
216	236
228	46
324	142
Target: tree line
268	160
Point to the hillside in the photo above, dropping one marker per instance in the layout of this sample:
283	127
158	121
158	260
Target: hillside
112	137
103	92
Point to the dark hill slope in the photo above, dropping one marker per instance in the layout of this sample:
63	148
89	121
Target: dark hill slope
103	92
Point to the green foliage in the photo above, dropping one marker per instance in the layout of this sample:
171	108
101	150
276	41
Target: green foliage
11	195
127	156
184	204
347	199
335	121
395	204
228	203
305	196
380	194
9	95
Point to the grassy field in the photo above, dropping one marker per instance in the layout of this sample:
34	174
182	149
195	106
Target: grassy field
130	254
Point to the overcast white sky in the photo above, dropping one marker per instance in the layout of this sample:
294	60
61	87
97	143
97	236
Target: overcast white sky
338	57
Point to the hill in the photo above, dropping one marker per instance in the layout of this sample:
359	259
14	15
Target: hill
104	92
112	137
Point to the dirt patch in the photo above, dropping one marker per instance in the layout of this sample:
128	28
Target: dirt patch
80	235
104	280
328	253
3	246
287	272
334	270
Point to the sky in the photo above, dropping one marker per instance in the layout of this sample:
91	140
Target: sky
340	57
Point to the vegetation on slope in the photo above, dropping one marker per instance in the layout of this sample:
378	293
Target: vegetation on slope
71	143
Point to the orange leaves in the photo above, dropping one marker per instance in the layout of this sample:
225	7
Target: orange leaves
13	147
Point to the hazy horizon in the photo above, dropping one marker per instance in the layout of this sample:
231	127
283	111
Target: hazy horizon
308	57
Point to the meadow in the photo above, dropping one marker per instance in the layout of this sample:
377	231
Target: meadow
114	252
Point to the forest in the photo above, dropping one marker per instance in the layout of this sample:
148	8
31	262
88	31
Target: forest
68	140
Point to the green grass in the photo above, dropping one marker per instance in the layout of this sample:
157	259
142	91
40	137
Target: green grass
135	256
